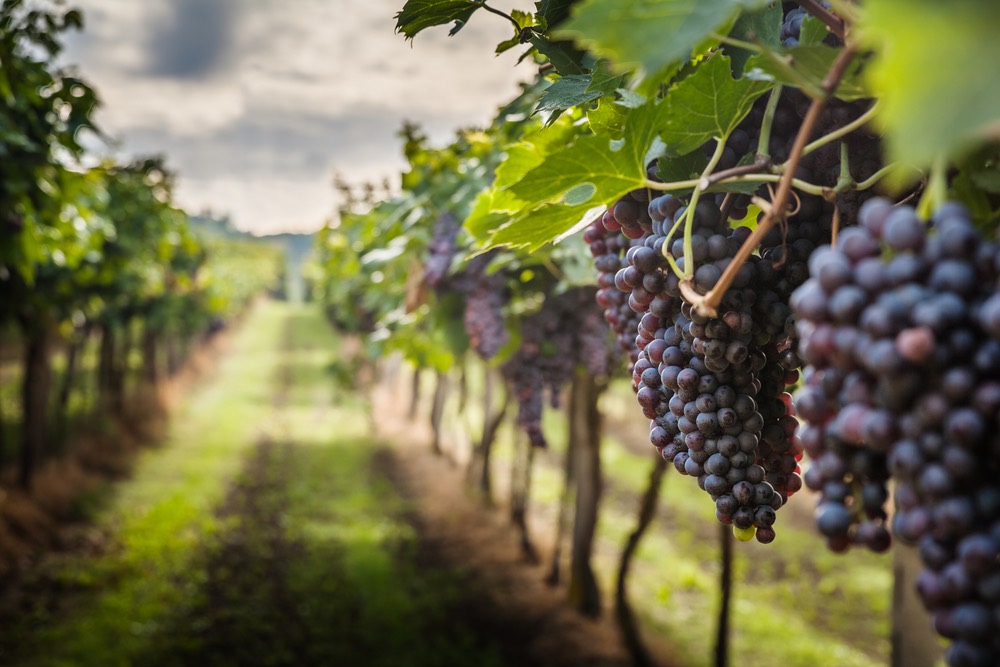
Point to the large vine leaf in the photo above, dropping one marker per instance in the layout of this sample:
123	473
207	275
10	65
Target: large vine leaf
557	194
493	209
611	167
417	15
650	34
538	227
496	207
530	152
812	32
935	69
608	118
709	103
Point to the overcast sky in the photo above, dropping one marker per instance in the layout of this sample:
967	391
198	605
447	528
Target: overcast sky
255	103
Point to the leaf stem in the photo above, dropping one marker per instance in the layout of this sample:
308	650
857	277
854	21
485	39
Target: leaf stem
936	191
834	23
858	122
799	184
805	186
761	162
764	141
493	10
672	185
876	177
720	146
845	181
709	304
738	43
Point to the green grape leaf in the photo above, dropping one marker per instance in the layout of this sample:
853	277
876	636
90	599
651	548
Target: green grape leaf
613	168
553	11
531	151
805	67
977	184
709	103
567	92
682	168
521	158
935	67
813	31
417	15
604	81
988	181
534	230
660	32
492	210
556	195
763	27
565	57
608	118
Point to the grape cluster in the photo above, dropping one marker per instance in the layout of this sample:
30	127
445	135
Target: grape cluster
791	28
713	388
485	296
567	321
484	292
608	248
899	327
441	249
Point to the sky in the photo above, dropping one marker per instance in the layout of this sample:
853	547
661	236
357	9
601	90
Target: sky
256	103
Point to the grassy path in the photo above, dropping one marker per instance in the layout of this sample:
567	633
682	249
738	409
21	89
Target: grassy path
260	534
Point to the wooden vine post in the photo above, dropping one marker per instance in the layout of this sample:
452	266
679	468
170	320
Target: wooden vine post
624	615
437	410
585	432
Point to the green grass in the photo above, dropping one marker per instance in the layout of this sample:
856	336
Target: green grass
159	516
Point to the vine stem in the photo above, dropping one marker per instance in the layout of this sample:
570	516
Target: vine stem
876	177
805	186
764	141
720	146
845	181
708	304
493	10
834	23
726	175
738	43
687	219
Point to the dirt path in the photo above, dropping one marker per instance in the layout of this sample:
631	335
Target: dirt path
503	596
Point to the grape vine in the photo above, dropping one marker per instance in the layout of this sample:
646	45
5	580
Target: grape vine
787	227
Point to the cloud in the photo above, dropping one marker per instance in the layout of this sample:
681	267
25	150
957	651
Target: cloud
263	142
258	101
192	41
273	171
